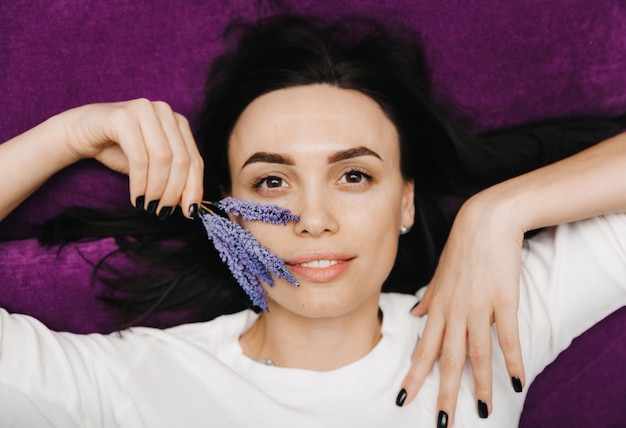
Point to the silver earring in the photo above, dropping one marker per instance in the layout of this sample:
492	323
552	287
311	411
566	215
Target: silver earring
404	230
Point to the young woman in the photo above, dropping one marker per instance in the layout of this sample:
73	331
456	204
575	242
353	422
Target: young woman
339	130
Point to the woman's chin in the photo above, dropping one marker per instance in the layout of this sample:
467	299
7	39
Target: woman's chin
315	303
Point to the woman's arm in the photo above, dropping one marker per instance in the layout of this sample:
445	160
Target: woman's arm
143	139
477	279
590	183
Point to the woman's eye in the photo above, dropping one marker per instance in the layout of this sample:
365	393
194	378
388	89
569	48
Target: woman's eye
270	182
355	177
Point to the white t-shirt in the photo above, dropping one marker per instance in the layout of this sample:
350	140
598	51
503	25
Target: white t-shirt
196	375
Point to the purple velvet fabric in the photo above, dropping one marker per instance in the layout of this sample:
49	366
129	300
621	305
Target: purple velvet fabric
584	386
502	63
54	286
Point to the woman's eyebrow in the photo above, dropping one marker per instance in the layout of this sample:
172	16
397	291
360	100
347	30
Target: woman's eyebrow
339	156
269	158
352	153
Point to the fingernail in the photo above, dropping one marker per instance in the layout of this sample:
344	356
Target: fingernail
483	412
139	202
517	384
193	211
415	305
401	398
442	420
165	212
152	206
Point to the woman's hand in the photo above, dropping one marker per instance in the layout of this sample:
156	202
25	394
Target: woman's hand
144	139
477	280
475	284
149	142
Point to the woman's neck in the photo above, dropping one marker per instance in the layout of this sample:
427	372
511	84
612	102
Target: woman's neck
322	344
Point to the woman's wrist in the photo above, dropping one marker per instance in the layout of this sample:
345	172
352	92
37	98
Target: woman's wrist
29	159
64	137
500	206
587	184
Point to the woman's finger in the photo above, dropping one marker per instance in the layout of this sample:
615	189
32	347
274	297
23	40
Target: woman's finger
421	307
131	143
451	363
159	151
179	161
479	350
424	357
507	329
194	189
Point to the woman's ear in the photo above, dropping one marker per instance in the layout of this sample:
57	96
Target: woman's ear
408	205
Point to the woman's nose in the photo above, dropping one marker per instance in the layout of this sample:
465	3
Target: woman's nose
317	215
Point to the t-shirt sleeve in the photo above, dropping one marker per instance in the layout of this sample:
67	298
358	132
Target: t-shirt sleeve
52	379
572	276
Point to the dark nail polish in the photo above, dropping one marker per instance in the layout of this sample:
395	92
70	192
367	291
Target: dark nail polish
152	206
401	397
139	202
442	420
193	211
483	412
415	305
517	384
165	212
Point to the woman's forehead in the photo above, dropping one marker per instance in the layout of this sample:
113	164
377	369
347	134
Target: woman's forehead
313	117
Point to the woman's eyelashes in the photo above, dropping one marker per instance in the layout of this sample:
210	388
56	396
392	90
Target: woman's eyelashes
356	177
268	182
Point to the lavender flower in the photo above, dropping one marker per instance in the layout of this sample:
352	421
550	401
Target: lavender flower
249	262
250	210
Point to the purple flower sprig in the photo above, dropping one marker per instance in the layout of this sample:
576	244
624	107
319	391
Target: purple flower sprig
250	210
248	261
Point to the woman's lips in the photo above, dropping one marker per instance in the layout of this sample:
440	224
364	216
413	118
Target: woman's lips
320	268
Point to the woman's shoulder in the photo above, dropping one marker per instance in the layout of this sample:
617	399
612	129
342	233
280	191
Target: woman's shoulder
397	301
594	246
608	231
208	333
397	319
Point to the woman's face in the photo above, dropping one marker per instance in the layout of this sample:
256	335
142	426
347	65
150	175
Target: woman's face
332	157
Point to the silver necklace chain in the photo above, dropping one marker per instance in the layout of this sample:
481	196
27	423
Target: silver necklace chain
267	361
